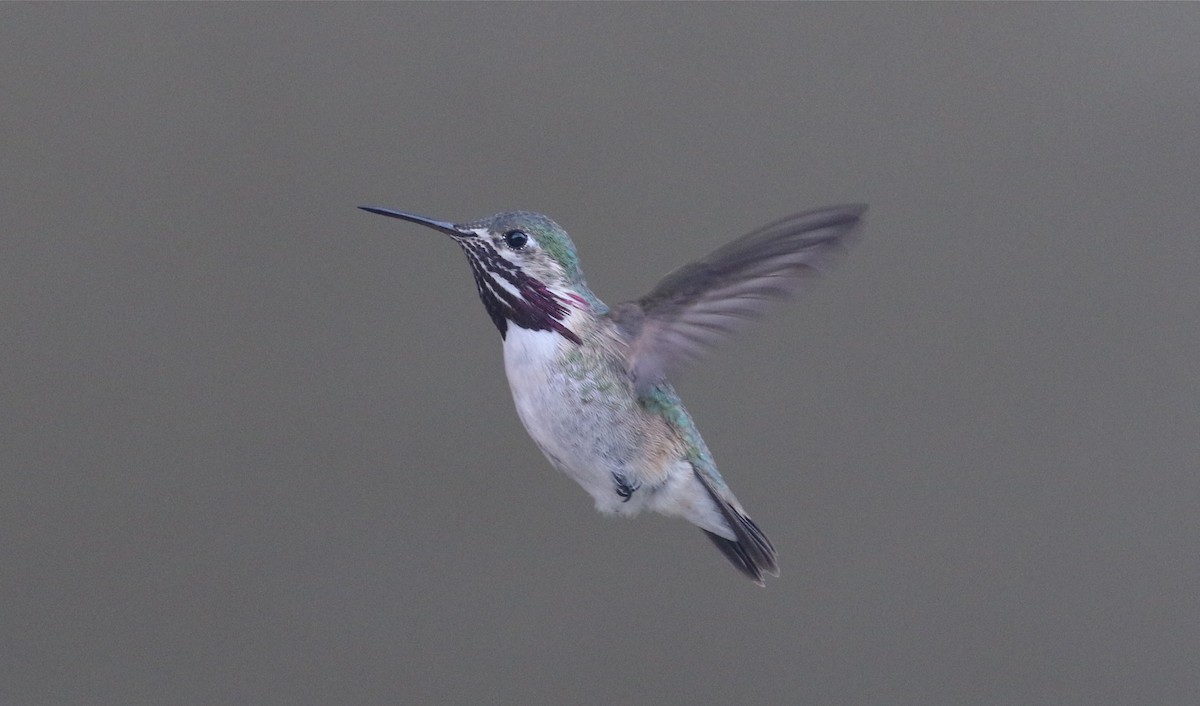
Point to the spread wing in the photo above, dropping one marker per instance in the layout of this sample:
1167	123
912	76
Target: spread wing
700	304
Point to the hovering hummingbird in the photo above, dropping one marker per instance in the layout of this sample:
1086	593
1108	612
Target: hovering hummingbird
591	382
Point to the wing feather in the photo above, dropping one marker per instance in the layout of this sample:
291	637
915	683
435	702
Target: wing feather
698	305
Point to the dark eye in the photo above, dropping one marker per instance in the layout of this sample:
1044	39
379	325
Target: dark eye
516	239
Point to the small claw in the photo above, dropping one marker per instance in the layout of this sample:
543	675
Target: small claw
624	489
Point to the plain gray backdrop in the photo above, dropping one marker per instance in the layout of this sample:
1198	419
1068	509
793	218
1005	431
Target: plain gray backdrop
258	447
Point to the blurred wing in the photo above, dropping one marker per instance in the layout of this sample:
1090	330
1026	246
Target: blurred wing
698	305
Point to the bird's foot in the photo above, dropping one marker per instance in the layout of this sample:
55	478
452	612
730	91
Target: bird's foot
625	489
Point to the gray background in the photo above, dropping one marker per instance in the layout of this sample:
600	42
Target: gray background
258	446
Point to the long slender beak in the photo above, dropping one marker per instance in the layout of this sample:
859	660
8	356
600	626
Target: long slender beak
443	226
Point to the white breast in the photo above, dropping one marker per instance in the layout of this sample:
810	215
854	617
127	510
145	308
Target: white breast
589	436
536	380
577	437
530	352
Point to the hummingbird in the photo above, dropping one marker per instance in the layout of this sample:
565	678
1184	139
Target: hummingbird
591	383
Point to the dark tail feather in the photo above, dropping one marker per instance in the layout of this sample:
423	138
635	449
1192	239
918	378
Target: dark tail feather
752	553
